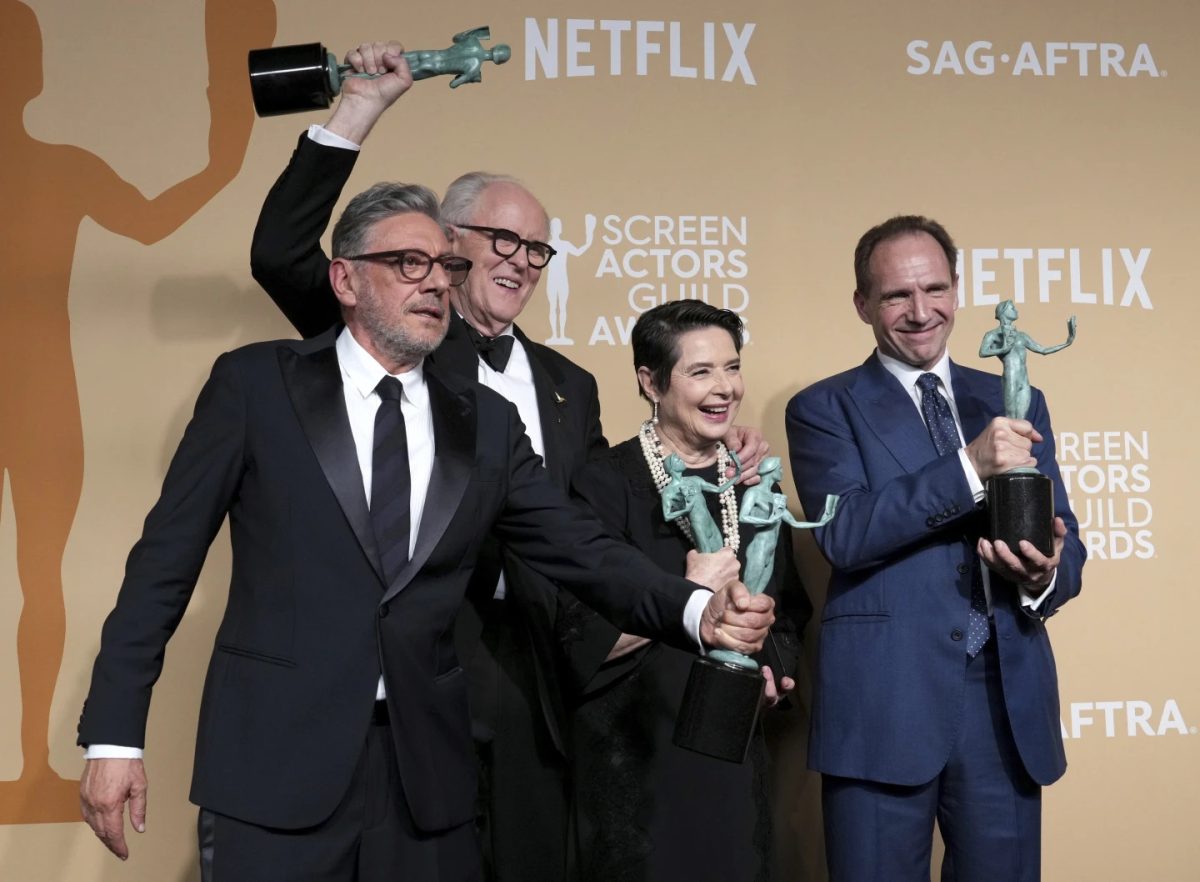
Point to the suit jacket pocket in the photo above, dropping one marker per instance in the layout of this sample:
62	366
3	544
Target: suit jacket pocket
857	618
245	652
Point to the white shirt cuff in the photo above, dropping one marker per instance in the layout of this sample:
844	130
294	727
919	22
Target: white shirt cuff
973	481
111	751
692	613
1031	601
326	138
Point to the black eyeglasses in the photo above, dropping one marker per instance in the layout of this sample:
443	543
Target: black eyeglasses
411	265
506	242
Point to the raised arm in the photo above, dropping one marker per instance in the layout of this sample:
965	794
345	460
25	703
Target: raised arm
1030	343
286	257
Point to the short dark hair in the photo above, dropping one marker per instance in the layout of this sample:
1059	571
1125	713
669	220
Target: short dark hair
657	331
900	225
352	232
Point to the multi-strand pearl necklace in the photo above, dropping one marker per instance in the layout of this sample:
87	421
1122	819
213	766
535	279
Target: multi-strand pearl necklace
654	454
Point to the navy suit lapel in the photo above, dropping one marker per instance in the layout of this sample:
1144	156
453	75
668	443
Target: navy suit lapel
547	383
891	414
454	422
314	384
976	404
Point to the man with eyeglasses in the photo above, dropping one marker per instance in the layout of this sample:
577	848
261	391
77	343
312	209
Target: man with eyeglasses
508	630
359	480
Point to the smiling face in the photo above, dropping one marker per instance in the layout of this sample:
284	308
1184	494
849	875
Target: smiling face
397	321
498	287
698	408
912	299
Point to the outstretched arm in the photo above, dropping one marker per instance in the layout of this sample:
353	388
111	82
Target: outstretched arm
1030	343
232	28
831	504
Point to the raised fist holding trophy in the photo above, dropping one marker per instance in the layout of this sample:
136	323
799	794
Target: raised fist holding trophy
293	79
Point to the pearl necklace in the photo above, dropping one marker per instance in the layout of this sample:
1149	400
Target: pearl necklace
654	454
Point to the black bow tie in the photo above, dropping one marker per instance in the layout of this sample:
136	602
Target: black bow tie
494	350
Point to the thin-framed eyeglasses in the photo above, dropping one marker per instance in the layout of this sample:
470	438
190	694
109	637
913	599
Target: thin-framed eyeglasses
411	265
505	243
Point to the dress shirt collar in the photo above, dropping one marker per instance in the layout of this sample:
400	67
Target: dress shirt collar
363	372
908	375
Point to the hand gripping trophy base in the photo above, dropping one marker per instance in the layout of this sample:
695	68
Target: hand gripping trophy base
719	709
1021	506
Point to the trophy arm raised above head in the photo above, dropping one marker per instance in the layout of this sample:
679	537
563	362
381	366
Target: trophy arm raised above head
483	32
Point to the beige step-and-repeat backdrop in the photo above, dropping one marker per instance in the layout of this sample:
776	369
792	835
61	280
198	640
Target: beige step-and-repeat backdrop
732	152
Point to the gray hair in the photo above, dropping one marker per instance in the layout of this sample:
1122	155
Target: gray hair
353	229
458	205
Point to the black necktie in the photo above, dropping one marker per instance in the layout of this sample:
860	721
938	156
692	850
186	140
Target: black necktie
944	432
390	480
494	350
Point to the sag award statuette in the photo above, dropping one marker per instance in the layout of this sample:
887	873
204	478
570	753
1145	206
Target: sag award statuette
293	79
1021	501
724	689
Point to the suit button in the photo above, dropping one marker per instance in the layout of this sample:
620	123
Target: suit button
956	635
383	611
963	569
938	518
929	522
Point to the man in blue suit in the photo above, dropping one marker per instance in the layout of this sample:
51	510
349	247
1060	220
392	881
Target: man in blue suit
937	696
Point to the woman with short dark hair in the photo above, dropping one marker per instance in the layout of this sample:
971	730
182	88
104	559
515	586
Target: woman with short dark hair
644	809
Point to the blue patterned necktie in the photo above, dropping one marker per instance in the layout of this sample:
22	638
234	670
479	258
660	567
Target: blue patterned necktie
390	480
944	432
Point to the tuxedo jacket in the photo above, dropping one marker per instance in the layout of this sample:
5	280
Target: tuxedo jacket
286	258
311	623
891	665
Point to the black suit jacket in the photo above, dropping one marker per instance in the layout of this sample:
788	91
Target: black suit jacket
310	623
287	260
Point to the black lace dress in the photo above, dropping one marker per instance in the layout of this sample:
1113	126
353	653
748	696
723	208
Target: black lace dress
642	808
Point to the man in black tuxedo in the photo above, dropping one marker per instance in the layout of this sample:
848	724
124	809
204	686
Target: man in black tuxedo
360	482
518	720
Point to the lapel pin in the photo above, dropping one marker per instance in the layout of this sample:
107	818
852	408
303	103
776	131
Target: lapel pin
558	398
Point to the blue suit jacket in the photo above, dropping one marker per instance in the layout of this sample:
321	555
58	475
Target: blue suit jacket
892	659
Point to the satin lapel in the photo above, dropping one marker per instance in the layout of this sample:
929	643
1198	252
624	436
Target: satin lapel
976	404
891	414
314	383
547	383
454	421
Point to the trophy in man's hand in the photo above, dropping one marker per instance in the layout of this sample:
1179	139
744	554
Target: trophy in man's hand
724	689
1021	501
293	79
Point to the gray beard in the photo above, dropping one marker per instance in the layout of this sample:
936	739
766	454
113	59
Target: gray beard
396	343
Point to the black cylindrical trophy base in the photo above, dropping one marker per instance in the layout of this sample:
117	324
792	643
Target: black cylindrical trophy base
719	710
290	79
1021	506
